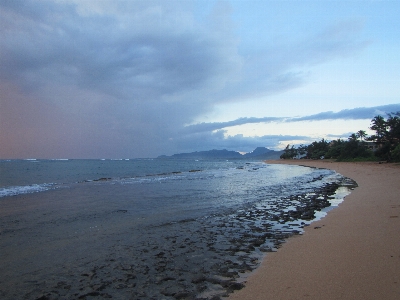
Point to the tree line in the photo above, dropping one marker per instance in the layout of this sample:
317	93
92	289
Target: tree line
384	144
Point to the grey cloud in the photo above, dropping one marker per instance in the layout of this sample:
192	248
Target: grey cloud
346	114
351	114
125	80
201	127
280	66
108	54
344	135
205	136
120	79
339	40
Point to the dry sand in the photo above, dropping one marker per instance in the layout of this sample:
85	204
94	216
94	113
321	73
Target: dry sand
352	253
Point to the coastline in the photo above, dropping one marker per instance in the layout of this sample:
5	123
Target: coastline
352	253
96	238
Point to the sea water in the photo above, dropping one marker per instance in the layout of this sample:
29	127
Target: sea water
160	228
166	188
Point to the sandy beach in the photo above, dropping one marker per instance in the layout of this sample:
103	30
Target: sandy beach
352	253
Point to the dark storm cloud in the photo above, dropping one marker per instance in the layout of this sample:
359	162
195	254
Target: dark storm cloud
127	78
120	79
105	53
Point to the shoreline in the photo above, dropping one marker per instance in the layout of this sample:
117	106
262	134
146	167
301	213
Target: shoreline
75	243
352	253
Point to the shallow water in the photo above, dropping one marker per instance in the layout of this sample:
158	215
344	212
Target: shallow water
158	229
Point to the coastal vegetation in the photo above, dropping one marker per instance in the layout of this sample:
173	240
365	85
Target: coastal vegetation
384	144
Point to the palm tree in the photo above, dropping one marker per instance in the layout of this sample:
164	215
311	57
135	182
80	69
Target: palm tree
361	134
353	137
379	125
393	127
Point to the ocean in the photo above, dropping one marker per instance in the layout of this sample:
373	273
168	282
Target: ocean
150	228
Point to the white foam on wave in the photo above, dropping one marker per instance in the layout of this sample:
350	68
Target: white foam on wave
27	189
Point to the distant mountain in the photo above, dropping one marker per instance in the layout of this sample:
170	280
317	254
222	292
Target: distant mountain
211	154
259	153
263	153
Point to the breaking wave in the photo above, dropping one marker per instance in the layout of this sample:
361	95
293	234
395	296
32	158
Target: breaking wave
27	189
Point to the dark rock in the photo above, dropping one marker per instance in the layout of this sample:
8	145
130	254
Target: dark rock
234	286
183	295
198	279
43	297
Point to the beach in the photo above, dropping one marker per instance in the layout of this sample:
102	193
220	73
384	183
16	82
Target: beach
352	253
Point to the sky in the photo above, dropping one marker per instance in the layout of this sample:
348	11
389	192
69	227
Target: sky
139	79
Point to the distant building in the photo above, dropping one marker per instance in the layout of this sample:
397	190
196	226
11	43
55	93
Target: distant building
372	146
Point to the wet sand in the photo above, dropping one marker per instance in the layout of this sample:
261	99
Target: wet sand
352	253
